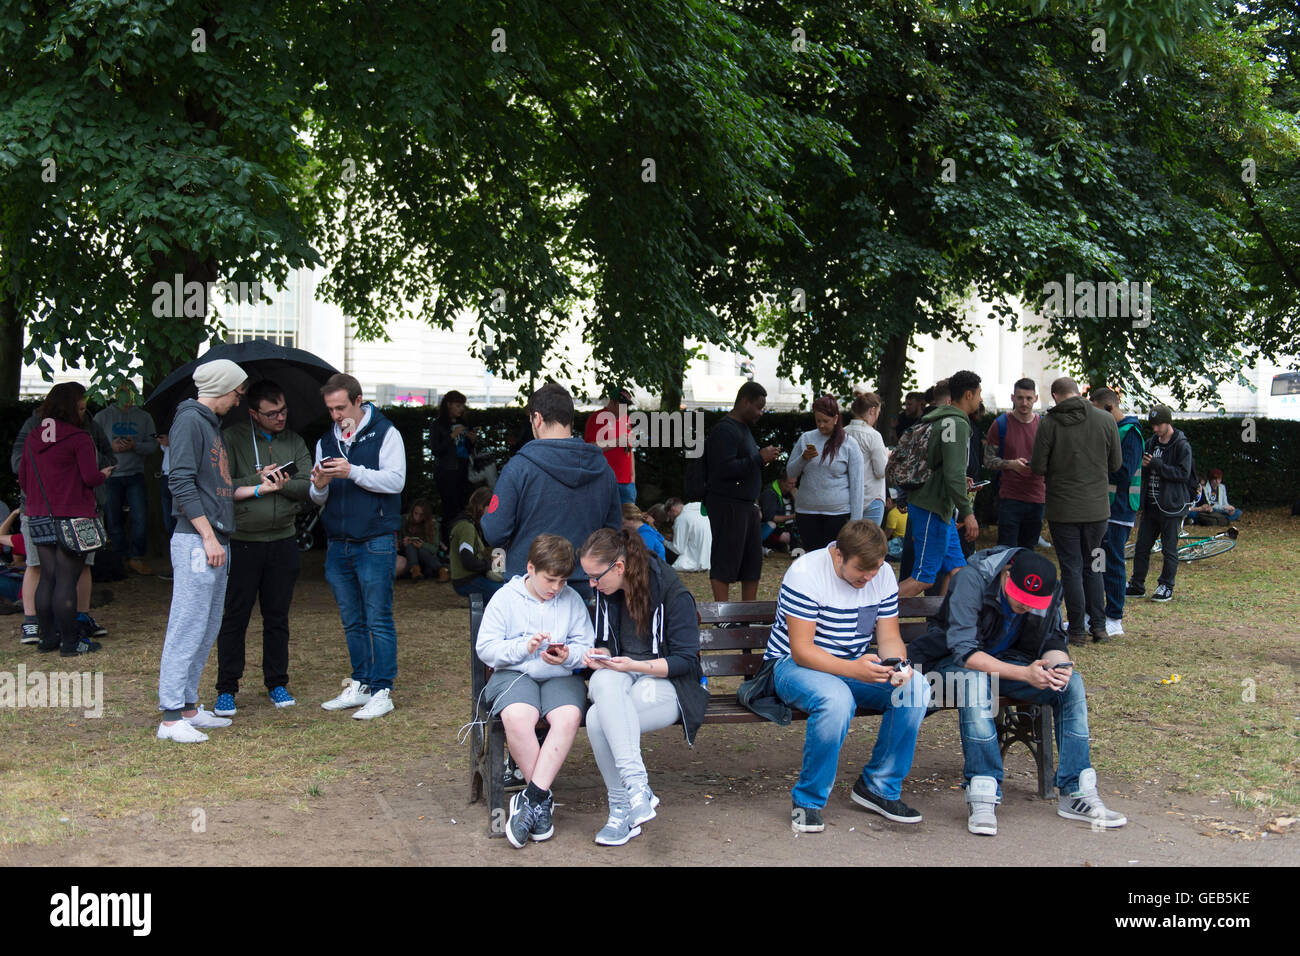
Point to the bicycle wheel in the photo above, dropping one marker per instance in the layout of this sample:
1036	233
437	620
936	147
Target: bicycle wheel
1207	548
1130	549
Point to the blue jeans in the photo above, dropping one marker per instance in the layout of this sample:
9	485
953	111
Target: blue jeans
830	702
874	511
979	734
1116	574
1019	523
131	491
360	573
627	493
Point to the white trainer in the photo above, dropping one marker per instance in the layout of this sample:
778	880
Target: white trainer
207	719
1114	627
183	732
379	704
355	694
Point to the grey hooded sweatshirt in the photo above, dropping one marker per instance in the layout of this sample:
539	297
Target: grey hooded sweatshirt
199	478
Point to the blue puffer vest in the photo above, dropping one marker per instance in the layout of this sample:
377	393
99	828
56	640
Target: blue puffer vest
351	512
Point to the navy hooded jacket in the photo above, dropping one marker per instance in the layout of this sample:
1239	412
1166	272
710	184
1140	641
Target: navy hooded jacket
551	486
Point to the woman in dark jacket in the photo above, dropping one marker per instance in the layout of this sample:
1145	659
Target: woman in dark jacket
58	476
452	444
646	665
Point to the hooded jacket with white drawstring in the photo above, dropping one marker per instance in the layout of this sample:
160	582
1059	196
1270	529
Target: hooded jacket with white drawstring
674	635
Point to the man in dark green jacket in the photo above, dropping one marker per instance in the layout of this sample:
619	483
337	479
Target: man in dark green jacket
930	521
264	547
1076	448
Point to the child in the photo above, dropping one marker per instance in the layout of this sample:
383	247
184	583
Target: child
634	520
470	557
895	524
535	632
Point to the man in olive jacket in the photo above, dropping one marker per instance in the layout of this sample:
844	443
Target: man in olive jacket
1076	448
264	548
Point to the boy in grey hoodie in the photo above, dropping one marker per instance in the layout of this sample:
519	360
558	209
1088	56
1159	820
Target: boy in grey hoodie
534	634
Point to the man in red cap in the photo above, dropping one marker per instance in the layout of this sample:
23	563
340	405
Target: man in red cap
999	632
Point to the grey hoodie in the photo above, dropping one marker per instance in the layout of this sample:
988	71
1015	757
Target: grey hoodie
133	422
199	478
513	615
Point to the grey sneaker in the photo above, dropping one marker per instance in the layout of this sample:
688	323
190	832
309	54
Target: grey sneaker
1163	593
641	805
31	634
1084	804
981	806
617	830
543	827
519	827
806	820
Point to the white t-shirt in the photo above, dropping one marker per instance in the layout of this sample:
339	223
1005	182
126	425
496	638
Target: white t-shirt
846	616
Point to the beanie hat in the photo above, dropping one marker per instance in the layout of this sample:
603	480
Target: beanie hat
218	377
1161	415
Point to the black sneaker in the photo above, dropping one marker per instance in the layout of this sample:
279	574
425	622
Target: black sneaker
543	827
83	647
1135	590
1163	593
519	826
806	820
92	628
895	810
30	634
45	647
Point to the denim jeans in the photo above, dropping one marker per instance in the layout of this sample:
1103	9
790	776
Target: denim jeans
1116	575
627	493
1078	546
131	491
360	573
830	702
1019	523
874	511
979	734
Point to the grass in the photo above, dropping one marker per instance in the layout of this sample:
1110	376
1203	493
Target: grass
1231	629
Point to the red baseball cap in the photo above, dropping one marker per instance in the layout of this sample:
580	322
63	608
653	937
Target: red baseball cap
1031	579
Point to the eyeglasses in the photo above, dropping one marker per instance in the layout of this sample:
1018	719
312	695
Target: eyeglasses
596	579
280	412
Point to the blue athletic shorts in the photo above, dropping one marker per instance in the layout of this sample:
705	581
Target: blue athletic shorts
935	544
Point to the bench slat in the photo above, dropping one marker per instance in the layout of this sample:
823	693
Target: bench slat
733	638
730	665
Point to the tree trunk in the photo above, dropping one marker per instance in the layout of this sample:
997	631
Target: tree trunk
891	374
673	386
11	350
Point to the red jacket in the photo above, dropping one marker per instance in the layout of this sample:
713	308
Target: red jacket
68	471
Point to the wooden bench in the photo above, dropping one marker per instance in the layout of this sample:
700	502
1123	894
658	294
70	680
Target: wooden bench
733	636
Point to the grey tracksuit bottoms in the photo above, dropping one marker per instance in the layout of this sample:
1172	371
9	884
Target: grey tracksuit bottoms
198	598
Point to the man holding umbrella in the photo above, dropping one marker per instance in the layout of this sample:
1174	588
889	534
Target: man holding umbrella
264	549
357	480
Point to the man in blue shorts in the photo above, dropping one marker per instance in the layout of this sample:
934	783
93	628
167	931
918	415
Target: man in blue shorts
935	544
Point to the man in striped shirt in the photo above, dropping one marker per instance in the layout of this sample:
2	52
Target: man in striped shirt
833	601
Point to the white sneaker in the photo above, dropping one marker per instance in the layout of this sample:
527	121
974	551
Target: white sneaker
183	732
378	705
1114	627
355	694
207	719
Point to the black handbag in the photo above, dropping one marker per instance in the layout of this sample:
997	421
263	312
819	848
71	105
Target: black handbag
78	535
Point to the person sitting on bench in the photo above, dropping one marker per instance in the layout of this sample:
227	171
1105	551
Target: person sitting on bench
832	602
1002	616
535	632
645	619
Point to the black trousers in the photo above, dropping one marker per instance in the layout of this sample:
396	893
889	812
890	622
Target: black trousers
817	531
453	489
1082	559
1152	525
263	572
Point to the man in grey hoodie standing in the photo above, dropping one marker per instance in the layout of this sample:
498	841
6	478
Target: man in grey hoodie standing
203	500
132	432
1076	448
1167	480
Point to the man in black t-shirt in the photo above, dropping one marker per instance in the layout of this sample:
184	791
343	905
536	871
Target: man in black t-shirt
734	466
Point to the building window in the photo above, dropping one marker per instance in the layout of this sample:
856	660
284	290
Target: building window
275	321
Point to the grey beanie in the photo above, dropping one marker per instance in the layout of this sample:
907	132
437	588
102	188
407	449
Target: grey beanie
218	377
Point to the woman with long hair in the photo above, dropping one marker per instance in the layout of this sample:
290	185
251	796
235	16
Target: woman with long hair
646	666
862	428
830	475
471	558
58	476
417	547
452	444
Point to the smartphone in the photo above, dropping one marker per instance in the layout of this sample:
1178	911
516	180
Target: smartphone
979	484
1063	667
890	661
555	648
289	469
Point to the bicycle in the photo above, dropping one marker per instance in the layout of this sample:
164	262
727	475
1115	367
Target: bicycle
1194	547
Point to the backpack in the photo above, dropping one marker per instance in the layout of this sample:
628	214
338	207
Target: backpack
909	465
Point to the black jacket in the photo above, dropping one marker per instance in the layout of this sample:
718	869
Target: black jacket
735	467
971	617
674	634
443	446
1175	469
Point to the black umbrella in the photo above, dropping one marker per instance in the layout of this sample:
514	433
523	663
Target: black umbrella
298	372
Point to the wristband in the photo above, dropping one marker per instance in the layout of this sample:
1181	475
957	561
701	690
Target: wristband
257	492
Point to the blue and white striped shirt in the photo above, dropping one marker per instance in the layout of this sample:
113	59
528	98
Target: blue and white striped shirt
845	616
